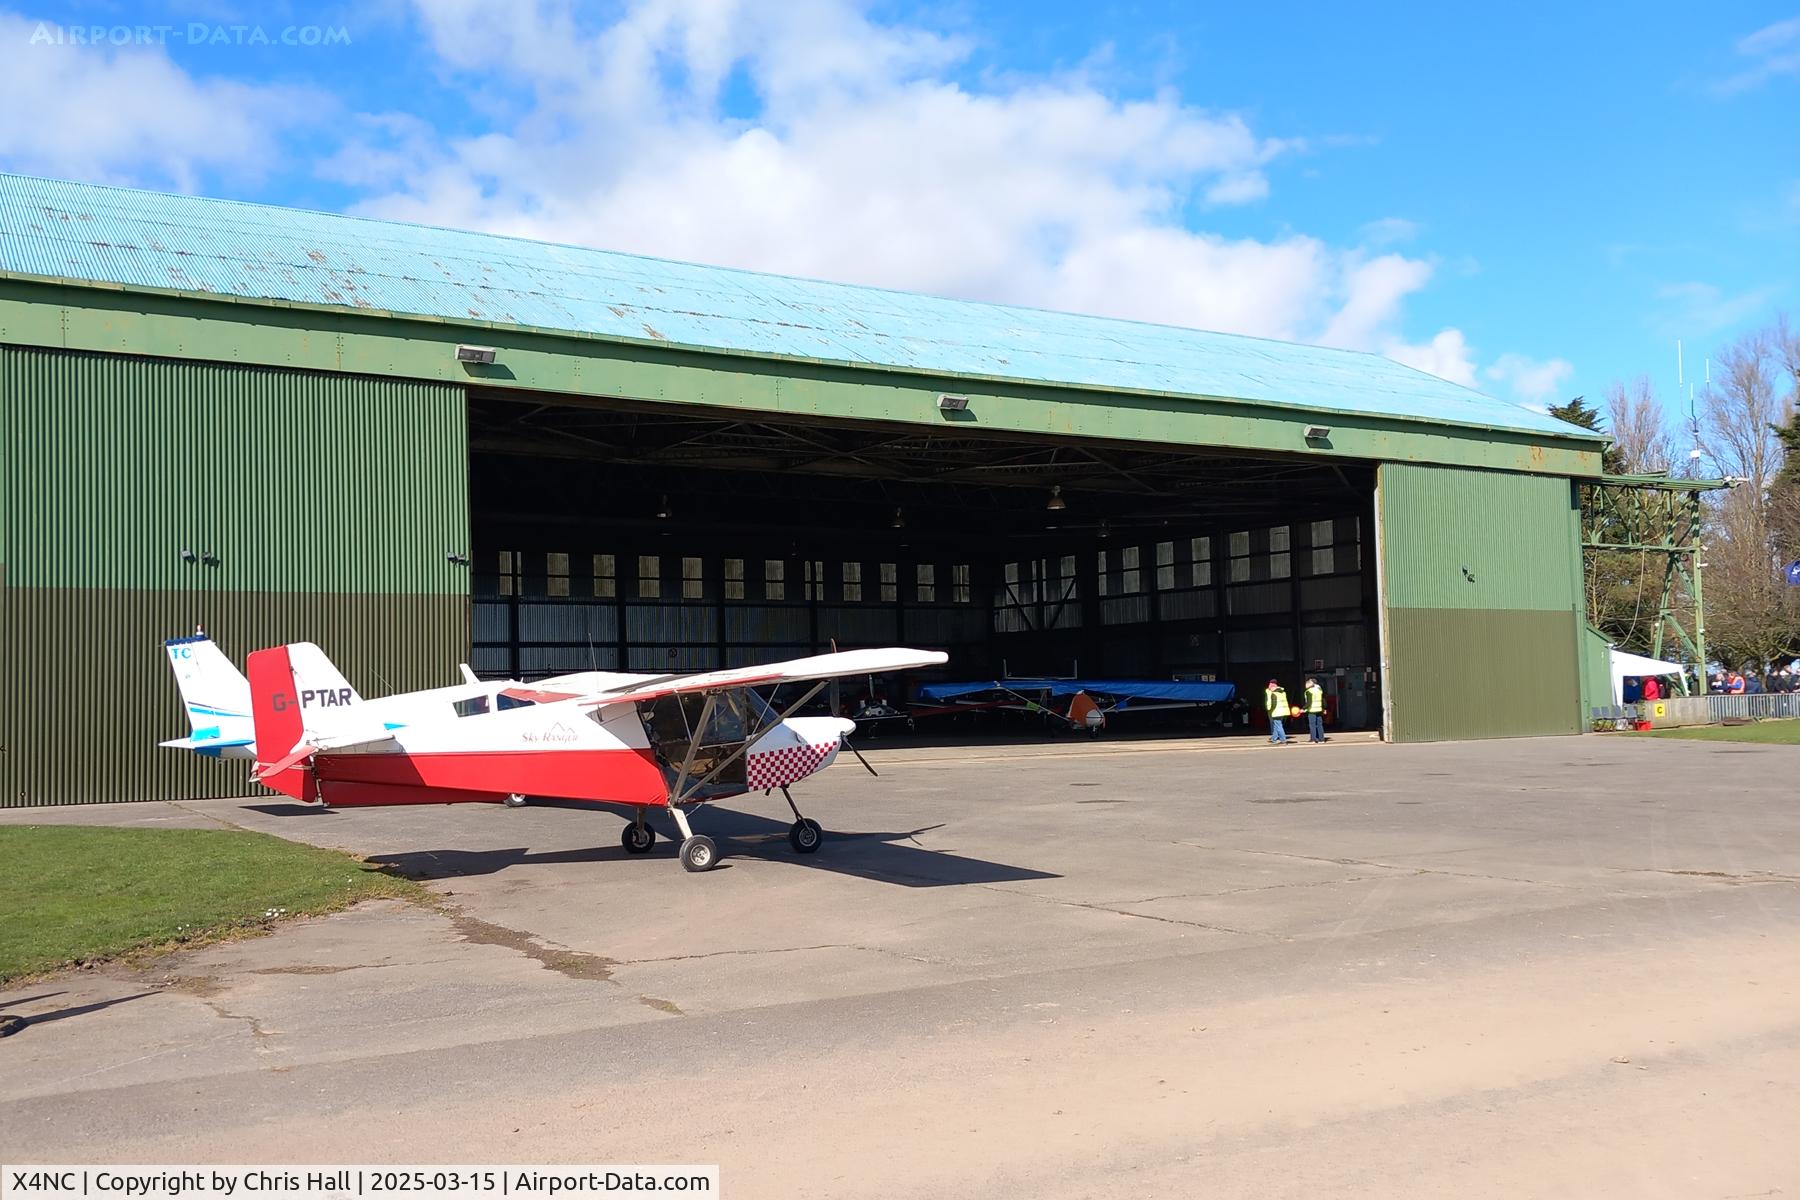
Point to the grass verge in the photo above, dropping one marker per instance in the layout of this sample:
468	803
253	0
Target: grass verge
73	894
1768	733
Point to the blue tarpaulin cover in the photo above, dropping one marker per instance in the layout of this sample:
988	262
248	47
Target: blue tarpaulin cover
1133	689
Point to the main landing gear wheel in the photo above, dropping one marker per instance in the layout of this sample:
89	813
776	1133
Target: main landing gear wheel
805	835
637	838
699	854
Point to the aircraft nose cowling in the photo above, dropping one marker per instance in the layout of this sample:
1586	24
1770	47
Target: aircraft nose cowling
794	749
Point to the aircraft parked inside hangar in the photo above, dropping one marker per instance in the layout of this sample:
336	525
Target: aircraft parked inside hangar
628	741
1073	703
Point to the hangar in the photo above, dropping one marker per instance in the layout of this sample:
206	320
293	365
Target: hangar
420	446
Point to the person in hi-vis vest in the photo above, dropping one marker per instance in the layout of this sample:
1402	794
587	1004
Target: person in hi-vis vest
1315	711
1276	702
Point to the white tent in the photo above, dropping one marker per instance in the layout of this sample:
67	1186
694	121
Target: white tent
1636	665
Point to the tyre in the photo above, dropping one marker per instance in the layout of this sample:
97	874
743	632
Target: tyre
637	838
805	835
699	854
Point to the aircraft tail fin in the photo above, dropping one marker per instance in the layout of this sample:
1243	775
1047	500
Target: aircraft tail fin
300	700
1085	714
214	693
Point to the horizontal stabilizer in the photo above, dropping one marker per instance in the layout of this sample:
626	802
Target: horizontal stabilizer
203	743
292	758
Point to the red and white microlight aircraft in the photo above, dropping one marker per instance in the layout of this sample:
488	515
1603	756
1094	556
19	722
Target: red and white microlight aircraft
634	741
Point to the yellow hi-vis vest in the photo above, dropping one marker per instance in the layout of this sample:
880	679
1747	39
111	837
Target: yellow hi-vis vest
1315	699
1277	701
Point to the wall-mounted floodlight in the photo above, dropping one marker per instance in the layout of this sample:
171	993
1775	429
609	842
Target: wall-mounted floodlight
1317	433
482	355
189	556
949	403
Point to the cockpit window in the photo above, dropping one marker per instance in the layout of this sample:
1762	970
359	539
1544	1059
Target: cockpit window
504	702
474	706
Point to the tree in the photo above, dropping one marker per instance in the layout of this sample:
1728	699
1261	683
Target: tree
1640	433
1784	490
1746	421
1579	412
1623	589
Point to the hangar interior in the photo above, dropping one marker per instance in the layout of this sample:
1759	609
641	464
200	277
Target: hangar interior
652	538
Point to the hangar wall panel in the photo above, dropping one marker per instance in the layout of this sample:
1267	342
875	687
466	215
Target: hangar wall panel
318	507
1482	590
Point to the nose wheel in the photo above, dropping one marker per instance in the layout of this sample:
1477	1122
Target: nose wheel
804	835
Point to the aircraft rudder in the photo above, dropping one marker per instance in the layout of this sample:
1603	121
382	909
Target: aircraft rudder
276	715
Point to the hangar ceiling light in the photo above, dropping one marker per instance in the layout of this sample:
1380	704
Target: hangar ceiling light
1056	503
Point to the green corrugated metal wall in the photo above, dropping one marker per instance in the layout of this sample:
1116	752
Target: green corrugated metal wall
1481	582
1596	670
327	504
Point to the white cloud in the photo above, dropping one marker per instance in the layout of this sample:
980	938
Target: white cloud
1774	51
1533	382
805	138
1389	231
1771	38
130	115
1697	310
1372	295
1448	356
867	160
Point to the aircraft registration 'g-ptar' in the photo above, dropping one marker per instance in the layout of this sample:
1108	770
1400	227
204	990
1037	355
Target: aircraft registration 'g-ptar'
631	741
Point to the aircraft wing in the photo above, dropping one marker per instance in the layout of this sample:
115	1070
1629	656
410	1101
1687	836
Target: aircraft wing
820	666
1179	691
538	695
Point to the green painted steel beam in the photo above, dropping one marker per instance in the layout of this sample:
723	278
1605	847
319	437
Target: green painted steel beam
233	330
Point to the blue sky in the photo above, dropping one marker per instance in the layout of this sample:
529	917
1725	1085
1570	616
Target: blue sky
1536	200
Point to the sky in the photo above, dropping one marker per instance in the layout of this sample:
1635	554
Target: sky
1535	200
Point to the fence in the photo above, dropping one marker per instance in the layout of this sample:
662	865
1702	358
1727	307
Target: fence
1777	704
1704	710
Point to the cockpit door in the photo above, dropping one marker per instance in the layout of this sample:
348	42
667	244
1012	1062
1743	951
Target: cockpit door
706	736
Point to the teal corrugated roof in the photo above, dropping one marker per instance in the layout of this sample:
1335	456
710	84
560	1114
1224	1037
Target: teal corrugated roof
86	232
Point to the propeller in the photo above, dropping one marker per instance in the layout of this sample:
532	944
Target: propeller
845	740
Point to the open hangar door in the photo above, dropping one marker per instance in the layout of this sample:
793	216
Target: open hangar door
681	538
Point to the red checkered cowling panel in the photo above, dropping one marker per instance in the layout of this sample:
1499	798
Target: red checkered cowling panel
774	768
